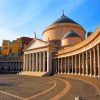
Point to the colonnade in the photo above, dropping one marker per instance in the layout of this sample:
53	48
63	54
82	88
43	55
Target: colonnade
15	66
37	62
84	63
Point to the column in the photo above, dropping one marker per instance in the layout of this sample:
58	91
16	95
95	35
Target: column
54	65
58	65
32	61
11	70
98	57
13	66
83	64
29	62
90	62
86	62
10	66
61	65
36	61
79	64
44	61
49	62
94	60
75	64
19	66
24	62
68	66
16	63
72	65
40	62
65	65
56	61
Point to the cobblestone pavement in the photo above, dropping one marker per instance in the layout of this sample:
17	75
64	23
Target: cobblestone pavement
18	87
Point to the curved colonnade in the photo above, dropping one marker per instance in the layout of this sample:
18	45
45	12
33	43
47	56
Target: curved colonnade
82	59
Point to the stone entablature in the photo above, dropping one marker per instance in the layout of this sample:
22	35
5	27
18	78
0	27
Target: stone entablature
10	59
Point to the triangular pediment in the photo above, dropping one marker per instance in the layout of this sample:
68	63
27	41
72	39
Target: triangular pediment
36	44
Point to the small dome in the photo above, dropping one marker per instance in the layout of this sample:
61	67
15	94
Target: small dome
70	34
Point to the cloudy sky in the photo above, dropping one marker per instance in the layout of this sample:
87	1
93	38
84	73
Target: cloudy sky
24	17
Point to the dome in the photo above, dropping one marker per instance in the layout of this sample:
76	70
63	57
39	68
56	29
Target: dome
57	30
64	19
70	34
70	38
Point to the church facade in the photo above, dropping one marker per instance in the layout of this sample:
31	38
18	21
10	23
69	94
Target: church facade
63	49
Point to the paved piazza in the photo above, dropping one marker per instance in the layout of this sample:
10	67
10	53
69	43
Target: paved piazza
18	87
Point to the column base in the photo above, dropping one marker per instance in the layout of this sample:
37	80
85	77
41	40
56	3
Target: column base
86	74
75	73
94	75
90	75
68	73
79	74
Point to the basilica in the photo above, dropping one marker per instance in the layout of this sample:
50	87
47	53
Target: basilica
64	49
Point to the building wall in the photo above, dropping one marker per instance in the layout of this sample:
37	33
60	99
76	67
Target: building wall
5	47
71	41
55	32
19	44
14	49
26	41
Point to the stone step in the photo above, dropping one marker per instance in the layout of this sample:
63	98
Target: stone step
33	73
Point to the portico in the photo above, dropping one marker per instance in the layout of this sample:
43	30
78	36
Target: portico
39	59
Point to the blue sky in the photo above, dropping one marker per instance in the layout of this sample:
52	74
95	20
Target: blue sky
24	17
